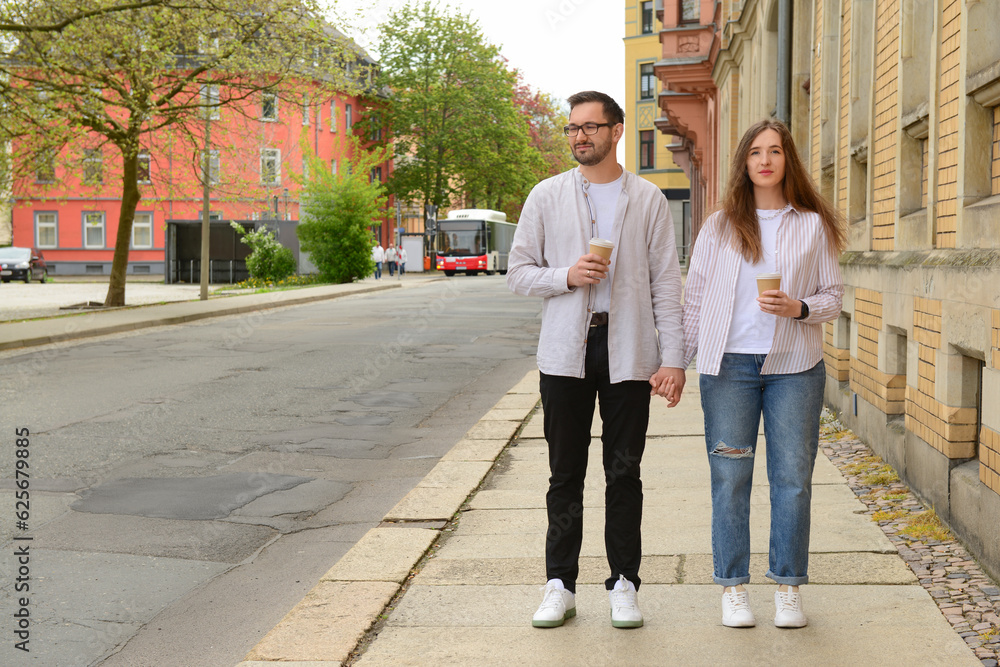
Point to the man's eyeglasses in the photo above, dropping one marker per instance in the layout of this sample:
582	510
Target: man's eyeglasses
588	128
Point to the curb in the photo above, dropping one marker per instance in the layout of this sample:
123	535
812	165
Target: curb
327	625
38	332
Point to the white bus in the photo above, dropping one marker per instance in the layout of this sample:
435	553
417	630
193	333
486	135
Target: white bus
473	240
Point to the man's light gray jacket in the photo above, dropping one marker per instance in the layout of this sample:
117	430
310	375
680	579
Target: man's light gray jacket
644	322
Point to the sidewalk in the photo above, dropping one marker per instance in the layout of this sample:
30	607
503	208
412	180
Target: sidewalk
43	331
469	600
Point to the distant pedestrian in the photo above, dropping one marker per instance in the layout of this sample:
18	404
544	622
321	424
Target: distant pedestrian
760	352
391	257
378	256
401	258
610	329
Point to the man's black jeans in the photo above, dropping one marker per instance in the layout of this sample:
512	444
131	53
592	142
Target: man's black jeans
568	404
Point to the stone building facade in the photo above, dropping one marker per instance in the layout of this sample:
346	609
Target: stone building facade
895	105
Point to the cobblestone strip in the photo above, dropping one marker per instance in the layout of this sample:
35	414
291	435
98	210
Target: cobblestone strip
966	596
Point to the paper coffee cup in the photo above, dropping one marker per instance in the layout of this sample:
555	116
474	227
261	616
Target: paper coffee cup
602	248
766	281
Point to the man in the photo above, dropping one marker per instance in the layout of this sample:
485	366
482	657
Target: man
391	257
401	259
378	256
611	329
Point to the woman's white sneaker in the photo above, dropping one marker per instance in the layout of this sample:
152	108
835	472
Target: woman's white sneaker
788	609
558	604
736	609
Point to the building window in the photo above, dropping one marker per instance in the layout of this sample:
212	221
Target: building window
376	134
45	168
269	107
270	166
142	230
647	155
376	175
305	109
333	166
210	101
348	117
213	167
46	230
647	82
689	11
647	18
93	230
142	173
333	115
305	168
93	166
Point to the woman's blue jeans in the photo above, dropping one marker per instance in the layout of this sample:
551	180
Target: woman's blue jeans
733	402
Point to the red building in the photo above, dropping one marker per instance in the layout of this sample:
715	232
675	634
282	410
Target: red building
257	151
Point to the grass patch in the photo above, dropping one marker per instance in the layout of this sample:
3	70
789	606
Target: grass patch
888	515
926	525
896	496
987	635
880	476
290	281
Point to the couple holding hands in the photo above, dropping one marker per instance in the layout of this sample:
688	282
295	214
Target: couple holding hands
614	332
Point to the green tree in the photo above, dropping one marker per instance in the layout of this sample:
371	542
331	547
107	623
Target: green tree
337	214
456	130
116	78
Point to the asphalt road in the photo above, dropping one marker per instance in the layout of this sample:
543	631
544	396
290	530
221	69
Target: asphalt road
191	483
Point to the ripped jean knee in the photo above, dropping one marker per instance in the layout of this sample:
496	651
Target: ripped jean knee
725	451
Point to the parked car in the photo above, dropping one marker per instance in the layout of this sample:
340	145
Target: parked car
25	264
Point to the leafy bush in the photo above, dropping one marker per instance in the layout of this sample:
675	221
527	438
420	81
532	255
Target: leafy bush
270	261
337	213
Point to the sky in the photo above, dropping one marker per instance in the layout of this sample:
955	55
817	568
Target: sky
560	46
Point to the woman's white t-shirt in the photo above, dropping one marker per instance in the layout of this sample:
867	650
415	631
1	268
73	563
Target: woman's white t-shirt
751	331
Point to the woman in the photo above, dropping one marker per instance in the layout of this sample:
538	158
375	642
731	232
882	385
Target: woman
763	355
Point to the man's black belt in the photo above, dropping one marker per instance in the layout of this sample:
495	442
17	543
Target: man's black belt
599	320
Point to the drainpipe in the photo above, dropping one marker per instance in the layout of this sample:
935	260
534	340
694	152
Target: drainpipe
784	92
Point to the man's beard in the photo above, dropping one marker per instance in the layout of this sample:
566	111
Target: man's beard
597	154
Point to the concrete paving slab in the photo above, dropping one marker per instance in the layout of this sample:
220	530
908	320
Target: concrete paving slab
493	430
327	624
295	663
456	474
507	414
531	571
527	385
428	504
383	554
519	401
853	568
849	625
475	450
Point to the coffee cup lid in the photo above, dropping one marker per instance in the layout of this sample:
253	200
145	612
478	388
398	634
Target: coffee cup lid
602	242
768	275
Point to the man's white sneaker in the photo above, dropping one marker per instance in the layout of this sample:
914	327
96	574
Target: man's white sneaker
788	609
625	605
736	610
558	604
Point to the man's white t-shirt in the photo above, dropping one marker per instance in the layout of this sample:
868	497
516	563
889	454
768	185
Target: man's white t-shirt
604	199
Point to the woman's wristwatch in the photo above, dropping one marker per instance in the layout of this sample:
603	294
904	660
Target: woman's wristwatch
805	310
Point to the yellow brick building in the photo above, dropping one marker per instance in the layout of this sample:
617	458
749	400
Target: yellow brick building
895	106
646	149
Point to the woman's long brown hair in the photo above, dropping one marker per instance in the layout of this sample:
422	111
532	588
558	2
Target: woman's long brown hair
740	208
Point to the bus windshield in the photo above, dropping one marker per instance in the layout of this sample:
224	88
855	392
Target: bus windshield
461	239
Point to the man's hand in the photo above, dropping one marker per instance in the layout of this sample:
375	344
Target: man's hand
590	269
669	383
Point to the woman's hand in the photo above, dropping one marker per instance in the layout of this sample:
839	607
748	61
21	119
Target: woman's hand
776	302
